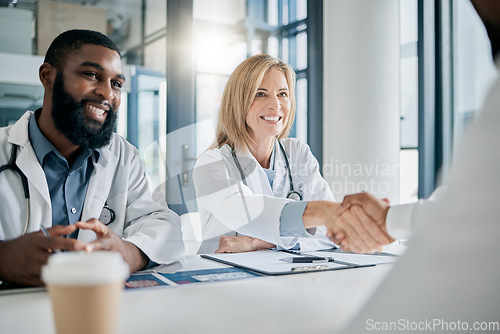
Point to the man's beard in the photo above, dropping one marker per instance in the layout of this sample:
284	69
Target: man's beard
70	120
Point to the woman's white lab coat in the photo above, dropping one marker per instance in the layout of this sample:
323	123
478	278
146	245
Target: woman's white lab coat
118	178
227	205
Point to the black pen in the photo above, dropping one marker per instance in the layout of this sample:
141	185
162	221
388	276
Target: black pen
47	234
289	251
306	258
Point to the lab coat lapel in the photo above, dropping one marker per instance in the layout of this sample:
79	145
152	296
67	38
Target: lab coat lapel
256	177
39	190
28	163
98	190
281	183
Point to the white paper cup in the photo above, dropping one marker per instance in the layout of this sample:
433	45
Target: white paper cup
85	290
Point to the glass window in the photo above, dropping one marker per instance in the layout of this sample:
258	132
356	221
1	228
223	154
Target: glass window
301	113
408	171
408	27
209	89
408	21
229	12
284	12
220	45
272	16
156	16
151	122
222	41
409	102
257	46
152	55
218	48
285	50
301	9
121	122
273	46
225	32
301	52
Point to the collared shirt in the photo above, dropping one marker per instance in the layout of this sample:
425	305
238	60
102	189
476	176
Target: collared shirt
291	223
67	185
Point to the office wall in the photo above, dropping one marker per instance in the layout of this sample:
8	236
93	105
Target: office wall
361	97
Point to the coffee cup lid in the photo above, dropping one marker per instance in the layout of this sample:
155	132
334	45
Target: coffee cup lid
80	268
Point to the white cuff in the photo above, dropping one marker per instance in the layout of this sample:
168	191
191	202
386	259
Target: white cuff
398	221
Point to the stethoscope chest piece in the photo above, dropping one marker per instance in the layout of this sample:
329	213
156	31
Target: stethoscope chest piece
107	215
296	196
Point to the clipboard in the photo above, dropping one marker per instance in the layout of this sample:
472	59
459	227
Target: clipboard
354	258
270	262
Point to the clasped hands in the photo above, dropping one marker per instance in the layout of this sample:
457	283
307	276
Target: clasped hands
23	257
356	225
360	226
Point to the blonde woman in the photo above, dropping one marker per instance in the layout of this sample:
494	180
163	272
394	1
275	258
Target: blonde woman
256	188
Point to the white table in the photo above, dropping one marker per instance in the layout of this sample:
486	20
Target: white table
300	303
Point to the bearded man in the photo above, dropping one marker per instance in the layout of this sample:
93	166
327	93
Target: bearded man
85	184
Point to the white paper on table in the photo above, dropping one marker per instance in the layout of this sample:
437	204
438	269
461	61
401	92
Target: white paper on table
359	259
270	262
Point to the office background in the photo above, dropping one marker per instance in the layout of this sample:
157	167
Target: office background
384	89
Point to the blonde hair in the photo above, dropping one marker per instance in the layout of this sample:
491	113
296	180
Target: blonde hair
239	94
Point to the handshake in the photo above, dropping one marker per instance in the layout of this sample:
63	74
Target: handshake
356	225
359	223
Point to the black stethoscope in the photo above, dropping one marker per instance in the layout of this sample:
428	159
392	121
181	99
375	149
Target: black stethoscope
107	214
292	194
13	167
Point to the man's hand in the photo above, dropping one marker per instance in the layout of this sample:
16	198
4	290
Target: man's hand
353	229
241	244
371	212
107	240
21	259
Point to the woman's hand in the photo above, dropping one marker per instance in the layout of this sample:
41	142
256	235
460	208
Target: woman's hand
354	228
241	244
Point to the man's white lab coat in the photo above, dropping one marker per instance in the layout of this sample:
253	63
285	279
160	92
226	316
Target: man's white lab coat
118	178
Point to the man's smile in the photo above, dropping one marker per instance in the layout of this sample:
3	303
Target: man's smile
95	112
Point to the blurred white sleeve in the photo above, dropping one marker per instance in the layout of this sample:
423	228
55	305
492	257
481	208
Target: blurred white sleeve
400	218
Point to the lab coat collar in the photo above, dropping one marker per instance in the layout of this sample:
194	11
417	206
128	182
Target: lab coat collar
26	156
19	132
256	177
281	182
98	189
